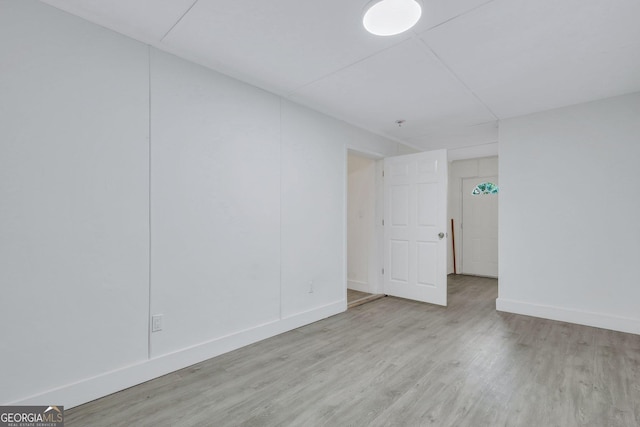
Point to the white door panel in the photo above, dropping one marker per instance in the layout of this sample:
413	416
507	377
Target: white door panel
416	213
479	229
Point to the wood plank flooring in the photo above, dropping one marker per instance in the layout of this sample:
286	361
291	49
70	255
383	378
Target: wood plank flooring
394	362
356	298
353	295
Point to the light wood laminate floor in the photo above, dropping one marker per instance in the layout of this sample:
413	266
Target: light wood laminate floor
356	298
394	362
353	295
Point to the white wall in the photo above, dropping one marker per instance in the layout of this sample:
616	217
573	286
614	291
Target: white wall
473	152
458	170
246	207
74	181
313	208
215	204
569	230
361	227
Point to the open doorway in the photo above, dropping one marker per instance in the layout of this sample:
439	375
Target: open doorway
473	206
480	226
364	219
410	243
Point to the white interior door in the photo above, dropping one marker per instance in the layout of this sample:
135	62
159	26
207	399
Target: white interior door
415	193
479	229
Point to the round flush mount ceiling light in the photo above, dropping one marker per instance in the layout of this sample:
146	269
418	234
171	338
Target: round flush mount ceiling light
391	17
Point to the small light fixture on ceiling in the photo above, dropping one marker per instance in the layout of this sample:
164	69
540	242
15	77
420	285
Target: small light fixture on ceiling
391	17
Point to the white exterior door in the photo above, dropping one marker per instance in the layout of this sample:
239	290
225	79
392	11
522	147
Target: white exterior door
479	229
415	193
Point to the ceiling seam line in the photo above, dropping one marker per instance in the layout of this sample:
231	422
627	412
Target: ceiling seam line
293	92
457	16
415	35
453	73
178	21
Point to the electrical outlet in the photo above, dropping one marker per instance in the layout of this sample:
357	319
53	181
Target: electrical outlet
310	286
156	323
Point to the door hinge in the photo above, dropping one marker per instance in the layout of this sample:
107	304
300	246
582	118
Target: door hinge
383	271
383	173
383	222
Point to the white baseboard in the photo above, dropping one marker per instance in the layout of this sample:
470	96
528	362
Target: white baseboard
89	389
598	320
359	286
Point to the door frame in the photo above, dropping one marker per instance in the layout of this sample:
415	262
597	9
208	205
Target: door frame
459	169
455	192
462	211
374	271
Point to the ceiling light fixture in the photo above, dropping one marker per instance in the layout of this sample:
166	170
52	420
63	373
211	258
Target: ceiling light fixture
391	17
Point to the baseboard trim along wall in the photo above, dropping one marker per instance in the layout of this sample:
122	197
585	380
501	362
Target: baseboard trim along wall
358	286
71	395
597	320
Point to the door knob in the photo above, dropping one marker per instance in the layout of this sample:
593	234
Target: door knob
441	235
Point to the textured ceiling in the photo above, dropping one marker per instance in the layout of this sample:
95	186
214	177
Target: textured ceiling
467	64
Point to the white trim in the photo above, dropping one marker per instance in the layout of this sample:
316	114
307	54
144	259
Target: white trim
359	286
376	259
598	320
89	389
361	152
376	278
489	149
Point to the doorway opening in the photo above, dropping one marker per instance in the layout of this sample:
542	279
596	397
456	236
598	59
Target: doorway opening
421	180
473	206
364	221
356	298
396	225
